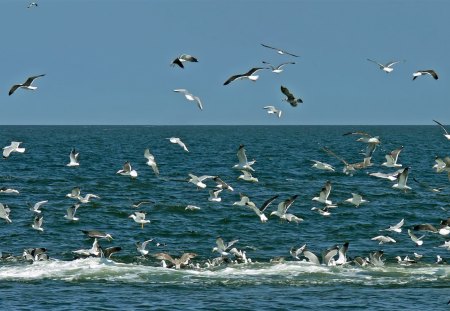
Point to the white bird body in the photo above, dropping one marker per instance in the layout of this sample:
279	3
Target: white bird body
396	228
74	194
36	206
324	194
198	180
244	201
127	171
141	247
401	180
37	223
322	166
446	133
87	198
73	158
273	110
176	140
71	211
391	158
190	97
139	217
260	211
387	67
4	212
281	211
415	239
151	161
14	147
383	239
356	200
279	68
214	195
221	248
247	176
243	164
26	85
8	190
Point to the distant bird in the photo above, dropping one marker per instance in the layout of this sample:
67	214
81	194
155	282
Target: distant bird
26	85
386	68
192	208
75	193
396	228
383	239
36	207
87	198
260	211
415	239
247	176
291	99
244	201
322	211
178	263
426	227
198	180
14	147
281	211
391	158
273	110
151	161
425	72
214	195
140	203
37	223
4	212
279	51
402	179
190	97
8	190
127	170
139	217
222	248
97	234
176	140
248	75
442	165
221	184
243	164
141	247
71	211
322	166
356	200
279	68
183	58
447	135
32	4
74	155
365	137
324	194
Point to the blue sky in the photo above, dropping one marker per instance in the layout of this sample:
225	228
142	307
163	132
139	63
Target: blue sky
107	61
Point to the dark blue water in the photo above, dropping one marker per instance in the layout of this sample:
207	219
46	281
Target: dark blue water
283	166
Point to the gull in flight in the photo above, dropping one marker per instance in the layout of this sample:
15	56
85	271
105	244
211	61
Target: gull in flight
151	161
279	51
140	203
221	184
14	147
279	68
37	206
8	190
273	110
183	58
430	72
87	198
74	158
192	208
32	4
356	200
97	234
383	239
141	247
447	135
198	181
324	193
190	97
391	158
178	263
365	137
4	212
322	211
247	176
260	211
290	98
402	179
127	170
221	248
71	211
322	166
282	210
93	251
415	239
214	195
75	193
244	201
386	68
390	176
139	217
176	140
342	259
243	162
37	223
396	228
248	75
427	186
442	165
26	85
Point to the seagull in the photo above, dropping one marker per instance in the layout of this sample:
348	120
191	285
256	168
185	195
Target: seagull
198	181
383	239
406	261
139	203
279	68
365	137
127	170
244	201
75	193
342	259
322	211
430	72
93	251
214	195
306	253
14	147
87	198
296	252
322	166
71	211
73	158
282	210
8	190
415	239
183	58
32	4
401	180
141	247
176	140
397	228
328	256
324	194
446	245
192	208
151	161
291	99
35	254
4	212
221	184
356	200
425	185
447	135
375	258
247	176
26	85
248	75
260	211
190	97
273	110
279	51
97	234
178	263
390	176
391	158
442	165
36	206
37	223
426	227
386	68
139	217
243	162
221	248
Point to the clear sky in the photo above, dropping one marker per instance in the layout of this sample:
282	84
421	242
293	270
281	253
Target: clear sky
107	61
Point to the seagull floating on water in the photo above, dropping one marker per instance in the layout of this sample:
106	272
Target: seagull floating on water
176	140
14	147
248	75
26	85
127	170
290	98
279	51
386	68
139	217
190	97
425	72
273	110
183	58
74	155
447	135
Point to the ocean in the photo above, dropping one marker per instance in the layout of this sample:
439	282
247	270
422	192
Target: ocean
283	154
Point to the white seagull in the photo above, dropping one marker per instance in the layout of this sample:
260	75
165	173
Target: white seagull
430	72
74	158
214	195
243	162
198	180
279	51
87	198
396	228
75	193
290	98
221	248
178	263
127	170
4	212
244	201
273	110
282	210
221	184
260	211
322	166
141	247
26	85
383	239
390	176
365	137
190	97
176	140
415	239
139	217
183	58
151	161
356	200
324	193
71	211
402	179
248	75
36	206
391	158
386	68
447	135
37	223
8	190
247	176
279	68
14	147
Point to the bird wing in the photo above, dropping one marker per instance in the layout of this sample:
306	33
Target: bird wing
14	88
286	63
199	102
242	157
144	244
268	202
164	256
232	78
289	202
286	92
442	126
148	155
399	225
334	155
390	64
252	71
178	62
220	244
31	79
432	73
374	61
270	47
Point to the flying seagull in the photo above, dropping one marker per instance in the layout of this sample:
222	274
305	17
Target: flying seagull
74	158
139	217
273	110
198	180
430	72
32	4
221	184
97	234
322	166
176	140
396	228
260	211
279	51
141	247
127	170
214	195
37	206
391	158
190	97
387	67
14	147
4	212
151	161
178	263
71	211
383	239
447	135
365	137
183	58
243	162
26	85
324	194
291	99
248	75
222	248
37	223
8	190
402	179
279	68
247	176
139	203
356	200
282	210
415	239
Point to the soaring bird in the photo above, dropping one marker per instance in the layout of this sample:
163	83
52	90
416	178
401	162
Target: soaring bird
391	158
26	85
176	140
387	67
37	223
243	162
282	210
190	97
32	4
430	72
402	179
260	211
273	110
74	155
383	239
248	75
14	147
279	68
291	99
221	184
324	193
4	212
71	211
198	180
141	247
36	207
214	195
127	170
356	200
322	166
447	135
151	161
247	176
279	51
396	228
97	234
183	58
